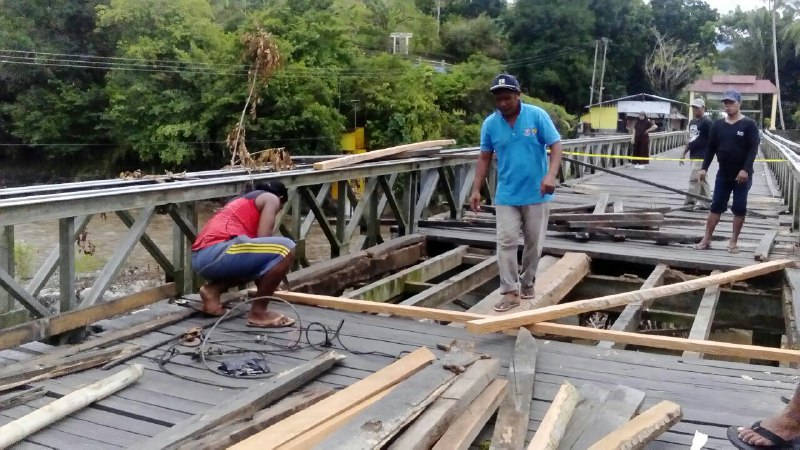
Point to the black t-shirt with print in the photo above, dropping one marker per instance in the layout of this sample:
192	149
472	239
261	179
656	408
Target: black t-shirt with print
734	144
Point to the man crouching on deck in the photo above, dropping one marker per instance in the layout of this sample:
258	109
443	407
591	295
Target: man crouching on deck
237	246
519	134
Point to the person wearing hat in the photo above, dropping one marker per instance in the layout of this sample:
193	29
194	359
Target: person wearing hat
237	246
699	129
734	140
518	134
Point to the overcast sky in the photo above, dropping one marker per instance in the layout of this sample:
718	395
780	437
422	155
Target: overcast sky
725	6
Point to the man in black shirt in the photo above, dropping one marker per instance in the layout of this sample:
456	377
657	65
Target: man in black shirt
734	140
699	129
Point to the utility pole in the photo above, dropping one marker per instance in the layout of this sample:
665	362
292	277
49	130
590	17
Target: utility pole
594	69
603	70
774	11
438	16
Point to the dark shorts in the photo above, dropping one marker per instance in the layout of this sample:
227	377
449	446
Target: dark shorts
241	258
723	188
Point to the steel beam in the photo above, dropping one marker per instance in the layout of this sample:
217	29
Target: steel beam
50	264
66	264
7	264
148	244
18	292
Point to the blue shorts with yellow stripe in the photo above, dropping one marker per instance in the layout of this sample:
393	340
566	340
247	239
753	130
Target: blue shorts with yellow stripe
241	258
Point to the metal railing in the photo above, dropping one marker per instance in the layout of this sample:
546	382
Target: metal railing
786	168
407	190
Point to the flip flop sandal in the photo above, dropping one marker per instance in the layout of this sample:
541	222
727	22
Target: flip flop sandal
699	246
503	306
219	313
778	443
733	250
280	322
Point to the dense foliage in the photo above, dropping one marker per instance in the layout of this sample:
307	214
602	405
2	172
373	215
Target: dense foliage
160	83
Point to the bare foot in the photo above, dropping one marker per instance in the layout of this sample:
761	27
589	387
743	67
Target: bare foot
210	295
269	319
702	245
782	425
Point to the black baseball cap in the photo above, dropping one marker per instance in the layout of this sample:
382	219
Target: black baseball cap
505	81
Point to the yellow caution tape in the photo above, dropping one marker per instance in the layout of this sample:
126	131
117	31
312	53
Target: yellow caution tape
650	158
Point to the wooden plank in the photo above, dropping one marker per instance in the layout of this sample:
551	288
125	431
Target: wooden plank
620	405
765	246
511	424
375	154
455	286
221	438
701	327
244	404
631	316
516	320
792	297
602	204
423	433
552	427
9	401
486	305
376	425
607	217
560	279
296	425
618	206
51	326
666	342
590	399
392	285
642	429
463	431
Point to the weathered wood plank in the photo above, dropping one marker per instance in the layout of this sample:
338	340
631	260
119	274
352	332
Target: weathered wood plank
642	429
602	204
457	285
516	320
513	416
630	317
701	327
423	433
765	246
463	431
375	154
621	404
546	264
552	428
590	399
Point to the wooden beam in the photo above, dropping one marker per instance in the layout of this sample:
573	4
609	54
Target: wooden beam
765	246
392	285
375	154
717	348
607	217
701	327
619	406
243	404
486	306
376	425
791	298
632	314
511	425
602	204
519	319
14	399
642	429
51	326
423	433
618	206
552	427
590	399
450	289
298	424
463	431
560	279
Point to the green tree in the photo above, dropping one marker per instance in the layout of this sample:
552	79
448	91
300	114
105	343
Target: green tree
688	21
462	38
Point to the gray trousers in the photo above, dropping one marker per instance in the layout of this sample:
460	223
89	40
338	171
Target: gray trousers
697	187
531	221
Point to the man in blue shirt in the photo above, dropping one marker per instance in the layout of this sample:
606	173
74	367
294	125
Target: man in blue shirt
518	134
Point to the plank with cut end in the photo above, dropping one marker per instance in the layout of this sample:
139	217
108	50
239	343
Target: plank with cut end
642	429
376	425
375	154
765	246
450	289
512	417
590	398
630	317
554	423
463	431
618	206
602	204
701	327
294	426
516	320
429	427
792	296
620	405
244	404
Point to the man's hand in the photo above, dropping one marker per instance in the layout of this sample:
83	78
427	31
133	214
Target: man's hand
683	159
742	177
701	175
548	184
475	201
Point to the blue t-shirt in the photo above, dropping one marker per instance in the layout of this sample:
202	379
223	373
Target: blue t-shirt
521	154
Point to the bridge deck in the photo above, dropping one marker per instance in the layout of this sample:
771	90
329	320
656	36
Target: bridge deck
765	200
713	394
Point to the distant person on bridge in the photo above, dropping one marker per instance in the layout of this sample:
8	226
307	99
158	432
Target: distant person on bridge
699	129
236	246
518	134
641	140
734	140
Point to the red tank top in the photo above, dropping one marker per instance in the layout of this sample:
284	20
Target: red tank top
237	218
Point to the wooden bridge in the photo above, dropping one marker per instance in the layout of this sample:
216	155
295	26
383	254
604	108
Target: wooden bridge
440	257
